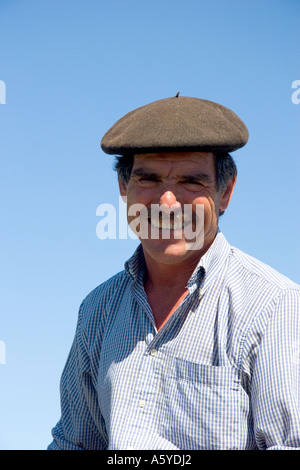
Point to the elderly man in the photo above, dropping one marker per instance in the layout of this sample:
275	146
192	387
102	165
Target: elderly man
195	345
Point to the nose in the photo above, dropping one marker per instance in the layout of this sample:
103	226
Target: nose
169	198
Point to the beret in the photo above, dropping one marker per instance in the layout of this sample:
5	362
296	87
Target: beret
176	124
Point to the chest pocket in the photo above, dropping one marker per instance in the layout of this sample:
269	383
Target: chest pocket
199	405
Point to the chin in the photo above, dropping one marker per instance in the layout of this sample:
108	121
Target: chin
165	252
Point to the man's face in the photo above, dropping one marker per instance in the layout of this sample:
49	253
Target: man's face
186	183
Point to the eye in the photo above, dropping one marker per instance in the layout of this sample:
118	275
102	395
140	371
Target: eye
148	181
193	185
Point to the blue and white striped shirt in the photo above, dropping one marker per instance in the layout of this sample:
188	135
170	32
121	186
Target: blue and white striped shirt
222	373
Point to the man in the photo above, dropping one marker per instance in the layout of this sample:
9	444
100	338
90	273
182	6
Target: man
195	345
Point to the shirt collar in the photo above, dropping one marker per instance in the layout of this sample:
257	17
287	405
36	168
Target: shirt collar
213	260
207	269
135	266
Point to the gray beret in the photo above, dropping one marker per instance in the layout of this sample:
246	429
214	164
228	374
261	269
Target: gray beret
178	124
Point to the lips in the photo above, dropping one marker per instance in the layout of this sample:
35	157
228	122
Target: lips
166	225
160	222
168	220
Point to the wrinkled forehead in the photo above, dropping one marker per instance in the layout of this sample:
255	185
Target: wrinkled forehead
159	162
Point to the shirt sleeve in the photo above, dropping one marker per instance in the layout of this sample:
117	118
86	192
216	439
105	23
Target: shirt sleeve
81	426
275	390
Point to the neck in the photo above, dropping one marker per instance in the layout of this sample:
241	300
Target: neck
166	288
173	277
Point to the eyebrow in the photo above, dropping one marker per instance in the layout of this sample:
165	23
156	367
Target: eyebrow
146	173
197	177
193	178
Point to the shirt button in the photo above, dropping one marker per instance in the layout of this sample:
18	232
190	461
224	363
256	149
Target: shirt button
149	338
153	352
142	403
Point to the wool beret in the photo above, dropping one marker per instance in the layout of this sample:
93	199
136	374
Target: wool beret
177	124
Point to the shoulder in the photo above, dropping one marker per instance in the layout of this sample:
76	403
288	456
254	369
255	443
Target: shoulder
94	307
260	298
255	269
104	290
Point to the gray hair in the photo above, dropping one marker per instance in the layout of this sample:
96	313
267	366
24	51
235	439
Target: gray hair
225	169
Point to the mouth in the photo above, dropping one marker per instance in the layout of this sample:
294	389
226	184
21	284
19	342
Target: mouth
157	223
167	221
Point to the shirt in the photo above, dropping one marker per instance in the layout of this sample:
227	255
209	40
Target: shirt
222	373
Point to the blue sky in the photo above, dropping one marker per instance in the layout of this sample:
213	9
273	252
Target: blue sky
71	69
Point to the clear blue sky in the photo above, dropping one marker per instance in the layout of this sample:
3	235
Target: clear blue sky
71	69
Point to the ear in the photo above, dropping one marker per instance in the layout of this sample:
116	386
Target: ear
227	194
122	188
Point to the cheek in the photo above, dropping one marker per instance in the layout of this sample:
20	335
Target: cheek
210	209
207	202
138	201
143	196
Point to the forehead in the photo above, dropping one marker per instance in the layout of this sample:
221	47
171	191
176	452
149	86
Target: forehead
189	161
